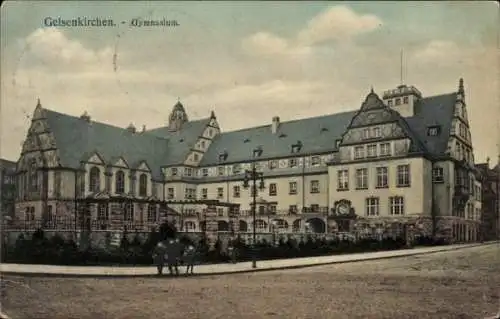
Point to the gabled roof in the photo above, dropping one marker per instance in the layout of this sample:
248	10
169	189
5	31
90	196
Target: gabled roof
318	134
75	137
180	142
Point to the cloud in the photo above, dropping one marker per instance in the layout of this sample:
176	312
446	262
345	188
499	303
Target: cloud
51	48
440	52
336	23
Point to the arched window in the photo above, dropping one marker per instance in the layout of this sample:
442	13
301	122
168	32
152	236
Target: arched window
143	185
119	182
129	212
33	175
152	213
94	180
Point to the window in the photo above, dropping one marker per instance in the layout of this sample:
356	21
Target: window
397	205
293	209
236	169
362	178
372	206
398	101
32	213
273	164
189	226
315	160
129	212
292	162
260	224
403	175
94	180
204	193
236	191
314	208
173	170
292	186
314	187
50	217
190	193
366	133
220	212
188	171
195	157
385	149
359	152
152	213
120	182
371	150
143	185
273	189
376	132
170	193
33	176
220	170
204	172
389	103
220	192
102	213
382	177
203	144
405	100
343	180
433	131
438	175
272	209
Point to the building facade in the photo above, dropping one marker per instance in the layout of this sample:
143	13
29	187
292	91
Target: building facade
490	217
7	188
401	161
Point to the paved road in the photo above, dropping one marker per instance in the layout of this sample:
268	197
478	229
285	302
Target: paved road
455	284
220	268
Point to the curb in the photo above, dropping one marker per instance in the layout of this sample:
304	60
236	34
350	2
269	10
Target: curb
228	272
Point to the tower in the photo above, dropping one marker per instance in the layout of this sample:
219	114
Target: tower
177	117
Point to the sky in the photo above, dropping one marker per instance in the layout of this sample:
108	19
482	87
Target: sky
246	61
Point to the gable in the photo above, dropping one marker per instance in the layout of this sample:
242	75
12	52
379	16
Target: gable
213	123
144	167
95	159
120	162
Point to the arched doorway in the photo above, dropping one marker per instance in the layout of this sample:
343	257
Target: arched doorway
243	226
296	225
316	225
222	225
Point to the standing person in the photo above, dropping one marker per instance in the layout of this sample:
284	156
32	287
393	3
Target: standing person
174	253
160	255
190	258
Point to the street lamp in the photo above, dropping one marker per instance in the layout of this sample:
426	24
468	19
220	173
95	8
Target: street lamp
254	177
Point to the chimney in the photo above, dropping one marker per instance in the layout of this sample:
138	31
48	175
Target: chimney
143	128
131	128
275	125
85	116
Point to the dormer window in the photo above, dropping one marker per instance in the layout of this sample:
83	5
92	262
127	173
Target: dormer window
188	171
433	130
405	100
296	147
398	101
223	156
257	152
204	172
174	171
315	160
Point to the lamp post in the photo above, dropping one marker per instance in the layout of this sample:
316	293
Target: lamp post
253	176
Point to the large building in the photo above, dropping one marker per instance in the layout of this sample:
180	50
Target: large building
401	160
490	217
7	188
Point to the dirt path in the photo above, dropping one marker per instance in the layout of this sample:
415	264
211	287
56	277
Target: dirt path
457	284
